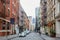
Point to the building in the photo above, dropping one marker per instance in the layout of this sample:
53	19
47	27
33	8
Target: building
30	23
8	10
51	16
57	17
43	15
26	21
33	23
4	21
23	20
14	12
37	12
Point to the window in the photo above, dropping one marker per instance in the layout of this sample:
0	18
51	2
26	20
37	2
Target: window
22	16
45	16
3	25
8	25
21	21
22	12
45	2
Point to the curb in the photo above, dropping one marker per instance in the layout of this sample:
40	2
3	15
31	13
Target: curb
12	38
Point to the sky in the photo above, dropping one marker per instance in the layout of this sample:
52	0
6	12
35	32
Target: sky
29	6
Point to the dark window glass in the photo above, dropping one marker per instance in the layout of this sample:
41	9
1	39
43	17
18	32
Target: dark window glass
8	26
3	25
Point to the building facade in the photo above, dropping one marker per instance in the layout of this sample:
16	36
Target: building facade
37	13
26	21
57	16
14	6
7	11
4	21
53	17
33	23
43	15
30	23
23	20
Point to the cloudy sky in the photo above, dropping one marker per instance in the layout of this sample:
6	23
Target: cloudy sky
29	6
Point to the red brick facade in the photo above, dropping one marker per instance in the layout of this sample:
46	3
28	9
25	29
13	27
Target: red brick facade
8	10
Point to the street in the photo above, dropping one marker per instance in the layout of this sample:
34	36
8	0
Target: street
31	36
33	19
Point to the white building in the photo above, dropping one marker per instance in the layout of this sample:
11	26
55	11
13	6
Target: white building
57	15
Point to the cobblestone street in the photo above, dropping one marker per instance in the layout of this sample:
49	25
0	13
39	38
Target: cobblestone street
31	36
34	36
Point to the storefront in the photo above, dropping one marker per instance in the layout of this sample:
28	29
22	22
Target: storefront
52	28
4	27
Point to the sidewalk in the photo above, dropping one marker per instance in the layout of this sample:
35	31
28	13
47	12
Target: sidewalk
9	37
45	37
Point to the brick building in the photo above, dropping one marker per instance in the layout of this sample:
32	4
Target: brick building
23	20
8	9
4	17
14	6
26	21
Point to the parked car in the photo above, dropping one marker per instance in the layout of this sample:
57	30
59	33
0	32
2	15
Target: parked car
23	34
27	32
